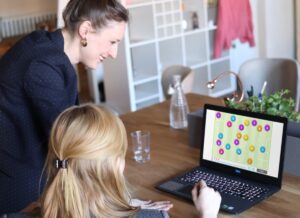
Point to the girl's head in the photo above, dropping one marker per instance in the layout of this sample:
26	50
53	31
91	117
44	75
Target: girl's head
93	143
99	25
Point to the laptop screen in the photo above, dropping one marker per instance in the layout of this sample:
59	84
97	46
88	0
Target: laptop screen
243	141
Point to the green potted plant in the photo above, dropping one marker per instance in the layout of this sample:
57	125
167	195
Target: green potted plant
275	104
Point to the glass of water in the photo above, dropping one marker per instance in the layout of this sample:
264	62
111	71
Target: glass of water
141	146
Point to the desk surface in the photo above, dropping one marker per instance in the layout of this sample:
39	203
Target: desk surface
171	155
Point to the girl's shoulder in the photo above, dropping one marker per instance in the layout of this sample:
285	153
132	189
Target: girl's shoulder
152	214
141	214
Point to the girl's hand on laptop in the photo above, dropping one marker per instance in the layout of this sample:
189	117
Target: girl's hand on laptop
157	205
206	200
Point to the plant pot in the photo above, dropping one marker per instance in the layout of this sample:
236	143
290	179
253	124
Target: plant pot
195	126
293	129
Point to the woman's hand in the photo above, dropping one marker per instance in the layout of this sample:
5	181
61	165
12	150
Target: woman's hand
156	205
31	207
206	200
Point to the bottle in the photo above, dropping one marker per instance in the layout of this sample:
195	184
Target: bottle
178	106
195	21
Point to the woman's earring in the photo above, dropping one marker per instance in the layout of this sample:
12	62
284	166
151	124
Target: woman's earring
83	42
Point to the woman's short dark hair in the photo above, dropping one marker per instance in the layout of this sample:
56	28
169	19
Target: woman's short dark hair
98	12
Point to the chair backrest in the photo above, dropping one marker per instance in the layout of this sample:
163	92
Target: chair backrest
279	73
187	78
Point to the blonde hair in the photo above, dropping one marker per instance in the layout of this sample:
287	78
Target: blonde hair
94	143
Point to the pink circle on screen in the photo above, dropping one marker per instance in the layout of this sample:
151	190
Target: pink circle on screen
221	151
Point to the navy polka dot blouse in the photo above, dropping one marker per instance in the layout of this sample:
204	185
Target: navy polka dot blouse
37	82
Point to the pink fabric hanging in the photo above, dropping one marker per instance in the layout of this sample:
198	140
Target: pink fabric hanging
234	22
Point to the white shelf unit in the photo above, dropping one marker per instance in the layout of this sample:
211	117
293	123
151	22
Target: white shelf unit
160	33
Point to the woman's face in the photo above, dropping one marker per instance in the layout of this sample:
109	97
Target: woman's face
102	44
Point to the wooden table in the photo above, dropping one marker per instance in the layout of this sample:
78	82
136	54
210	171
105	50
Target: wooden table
171	155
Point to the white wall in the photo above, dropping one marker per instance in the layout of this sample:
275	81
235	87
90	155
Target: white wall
280	29
60	8
297	26
24	7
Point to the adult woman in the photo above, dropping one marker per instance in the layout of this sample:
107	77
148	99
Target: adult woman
38	81
85	164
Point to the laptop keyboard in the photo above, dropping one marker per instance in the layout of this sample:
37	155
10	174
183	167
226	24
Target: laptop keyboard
223	185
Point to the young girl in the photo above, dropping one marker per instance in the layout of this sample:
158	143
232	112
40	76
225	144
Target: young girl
85	164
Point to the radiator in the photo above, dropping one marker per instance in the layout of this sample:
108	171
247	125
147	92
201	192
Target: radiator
12	26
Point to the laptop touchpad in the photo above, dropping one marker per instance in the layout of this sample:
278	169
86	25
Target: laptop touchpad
187	190
172	186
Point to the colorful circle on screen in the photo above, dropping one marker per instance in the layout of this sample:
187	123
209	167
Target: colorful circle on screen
218	115
229	124
239	135
220	135
236	142
221	151
262	149
241	127
227	146
232	118
218	142
259	128
267	127
239	151
254	122
249	161
245	137
246	122
252	148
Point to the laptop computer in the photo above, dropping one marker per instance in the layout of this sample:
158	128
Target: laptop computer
241	156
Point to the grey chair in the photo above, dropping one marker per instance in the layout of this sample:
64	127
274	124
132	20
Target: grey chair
279	73
187	78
